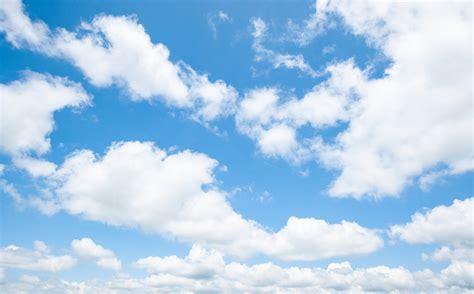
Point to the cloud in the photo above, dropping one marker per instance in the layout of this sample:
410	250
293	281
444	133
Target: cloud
39	96
87	249
198	264
452	225
272	120
204	270
215	19
278	60
412	123
116	50
417	117
312	27
34	260
138	185
19	29
35	167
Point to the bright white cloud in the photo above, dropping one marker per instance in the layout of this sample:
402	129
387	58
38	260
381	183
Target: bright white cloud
198	264
116	50
273	120
38	96
412	123
34	260
206	271
418	116
139	185
452	225
19	29
278	60
87	249
35	167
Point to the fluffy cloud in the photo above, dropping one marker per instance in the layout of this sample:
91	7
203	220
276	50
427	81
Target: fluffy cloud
117	51
136	184
418	116
206	271
87	249
273	120
19	29
278	60
34	260
452	225
198	264
40	96
412	123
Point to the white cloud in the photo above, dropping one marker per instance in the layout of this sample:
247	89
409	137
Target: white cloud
35	167
116	50
39	96
278	60
86	248
446	253
273	120
139	185
412	123
18	28
418	116
316	24
37	260
204	270
452	225
199	264
310	239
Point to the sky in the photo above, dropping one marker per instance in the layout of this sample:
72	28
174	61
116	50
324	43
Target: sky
236	147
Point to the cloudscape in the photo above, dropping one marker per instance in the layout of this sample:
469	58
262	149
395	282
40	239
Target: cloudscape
236	147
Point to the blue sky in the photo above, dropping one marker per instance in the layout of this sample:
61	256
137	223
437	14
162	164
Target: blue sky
338	116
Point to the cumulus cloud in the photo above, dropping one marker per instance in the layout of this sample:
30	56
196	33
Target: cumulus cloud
138	185
87	249
453	225
272	120
39	96
418	116
18	27
412	123
277	59
116	50
205	270
38	259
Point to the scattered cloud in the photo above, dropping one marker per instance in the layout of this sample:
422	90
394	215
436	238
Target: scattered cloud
40	96
87	249
272	120
215	19
452	225
204	270
136	184
405	122
38	259
401	126
116	50
277	60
